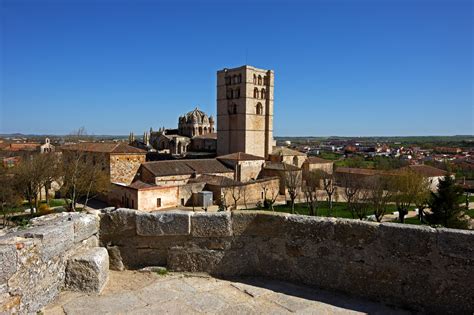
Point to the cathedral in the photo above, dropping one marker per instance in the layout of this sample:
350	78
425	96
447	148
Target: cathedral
195	134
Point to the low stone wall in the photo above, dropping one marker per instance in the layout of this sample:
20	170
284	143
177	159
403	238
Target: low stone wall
33	260
420	268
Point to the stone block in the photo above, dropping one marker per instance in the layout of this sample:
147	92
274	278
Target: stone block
354	233
8	262
56	238
205	224
308	227
85	225
258	223
115	258
456	243
164	223
88	270
194	260
119	221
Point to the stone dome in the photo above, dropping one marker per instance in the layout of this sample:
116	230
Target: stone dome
196	116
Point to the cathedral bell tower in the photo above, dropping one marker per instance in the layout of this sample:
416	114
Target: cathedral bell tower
245	111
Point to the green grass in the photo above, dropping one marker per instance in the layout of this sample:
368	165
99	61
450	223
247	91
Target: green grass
339	209
329	156
471	198
470	213
413	220
57	202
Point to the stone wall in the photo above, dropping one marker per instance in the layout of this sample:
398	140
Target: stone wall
124	167
420	268
33	261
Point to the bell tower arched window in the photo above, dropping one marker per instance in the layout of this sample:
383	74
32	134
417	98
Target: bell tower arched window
254	79
259	109
263	94
259	80
255	93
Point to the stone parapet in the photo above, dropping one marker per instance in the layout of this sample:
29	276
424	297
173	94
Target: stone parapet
33	260
416	267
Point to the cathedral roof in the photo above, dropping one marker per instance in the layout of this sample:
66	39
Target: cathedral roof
195	116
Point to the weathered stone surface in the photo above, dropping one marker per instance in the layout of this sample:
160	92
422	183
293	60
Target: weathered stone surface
259	223
56	238
85	225
8	262
406	240
117	221
454	244
205	224
87	271
166	223
115	258
192	260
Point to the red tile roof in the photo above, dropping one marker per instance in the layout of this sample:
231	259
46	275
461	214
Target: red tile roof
240	156
104	147
186	167
426	170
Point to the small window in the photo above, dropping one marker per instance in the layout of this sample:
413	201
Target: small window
254	79
255	93
237	93
263	94
158	202
235	108
259	109
182	201
259	80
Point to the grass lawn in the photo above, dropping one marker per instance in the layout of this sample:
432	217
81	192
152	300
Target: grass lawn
339	209
470	213
413	220
471	198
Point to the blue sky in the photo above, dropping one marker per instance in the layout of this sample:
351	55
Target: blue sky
350	67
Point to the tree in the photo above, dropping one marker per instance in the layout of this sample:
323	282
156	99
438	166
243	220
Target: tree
84	174
10	195
405	185
33	173
379	195
351	188
329	185
445	204
310	190
422	197
293	183
360	206
236	193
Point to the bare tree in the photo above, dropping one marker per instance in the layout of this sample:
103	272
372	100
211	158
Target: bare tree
84	174
293	183
360	205
32	174
379	196
236	194
10	195
351	189
310	190
329	185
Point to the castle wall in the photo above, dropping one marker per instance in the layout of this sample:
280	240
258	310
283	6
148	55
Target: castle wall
416	267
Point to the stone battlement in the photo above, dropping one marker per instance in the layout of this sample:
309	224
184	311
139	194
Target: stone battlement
420	268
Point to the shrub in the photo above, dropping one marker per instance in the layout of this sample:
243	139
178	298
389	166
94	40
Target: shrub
44	209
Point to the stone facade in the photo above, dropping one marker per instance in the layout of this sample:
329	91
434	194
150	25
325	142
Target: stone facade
123	167
33	261
419	268
245	111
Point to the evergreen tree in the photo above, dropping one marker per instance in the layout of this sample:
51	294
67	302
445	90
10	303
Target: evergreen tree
446	205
